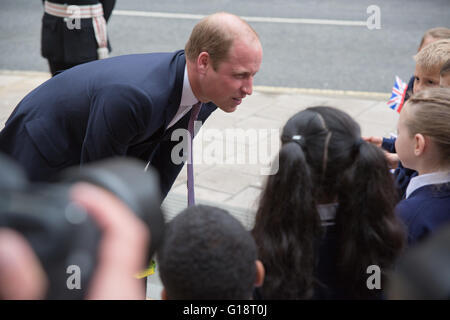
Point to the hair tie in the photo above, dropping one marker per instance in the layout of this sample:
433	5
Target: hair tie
298	139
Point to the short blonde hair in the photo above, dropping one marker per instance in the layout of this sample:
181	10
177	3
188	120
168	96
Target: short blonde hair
434	55
212	36
429	114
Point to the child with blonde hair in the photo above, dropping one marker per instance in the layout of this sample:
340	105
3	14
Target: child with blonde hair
429	62
423	144
430	36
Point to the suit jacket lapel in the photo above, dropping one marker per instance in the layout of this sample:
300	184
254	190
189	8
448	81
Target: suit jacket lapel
174	101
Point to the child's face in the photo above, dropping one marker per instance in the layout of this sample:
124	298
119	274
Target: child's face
404	144
425	78
445	81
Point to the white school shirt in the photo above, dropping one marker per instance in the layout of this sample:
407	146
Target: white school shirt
427	179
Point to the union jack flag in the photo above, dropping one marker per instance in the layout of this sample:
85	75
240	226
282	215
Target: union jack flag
398	95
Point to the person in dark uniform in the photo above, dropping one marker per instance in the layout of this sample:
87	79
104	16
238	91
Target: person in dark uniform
74	32
130	105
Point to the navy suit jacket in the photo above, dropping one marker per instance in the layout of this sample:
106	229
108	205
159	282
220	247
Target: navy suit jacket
117	106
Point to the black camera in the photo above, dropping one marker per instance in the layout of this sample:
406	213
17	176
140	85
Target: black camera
61	233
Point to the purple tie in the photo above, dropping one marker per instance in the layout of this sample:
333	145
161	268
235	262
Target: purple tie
190	168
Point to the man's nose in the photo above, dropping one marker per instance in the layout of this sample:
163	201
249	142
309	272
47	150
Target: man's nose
247	88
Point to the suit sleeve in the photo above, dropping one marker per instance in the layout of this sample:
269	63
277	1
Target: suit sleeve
388	144
117	116
108	6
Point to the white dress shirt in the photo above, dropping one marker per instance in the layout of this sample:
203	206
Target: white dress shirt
327	213
188	99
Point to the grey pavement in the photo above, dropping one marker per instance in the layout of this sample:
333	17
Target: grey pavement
221	177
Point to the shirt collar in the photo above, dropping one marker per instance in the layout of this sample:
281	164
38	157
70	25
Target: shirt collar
327	213
187	97
426	179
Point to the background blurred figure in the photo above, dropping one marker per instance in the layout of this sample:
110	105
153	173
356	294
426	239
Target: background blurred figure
424	271
74	32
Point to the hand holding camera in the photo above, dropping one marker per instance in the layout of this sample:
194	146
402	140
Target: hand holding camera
95	219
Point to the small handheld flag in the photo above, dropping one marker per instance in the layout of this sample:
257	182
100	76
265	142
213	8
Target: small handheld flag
398	95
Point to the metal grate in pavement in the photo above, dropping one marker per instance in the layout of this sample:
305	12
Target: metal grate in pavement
175	203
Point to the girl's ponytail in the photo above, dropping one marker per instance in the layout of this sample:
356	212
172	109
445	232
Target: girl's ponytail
286	226
368	229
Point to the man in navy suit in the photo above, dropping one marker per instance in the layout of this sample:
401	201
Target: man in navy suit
129	105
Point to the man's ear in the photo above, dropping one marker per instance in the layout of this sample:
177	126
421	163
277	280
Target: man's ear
163	294
420	144
203	62
260	273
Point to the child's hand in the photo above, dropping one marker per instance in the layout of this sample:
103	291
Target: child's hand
392	159
377	141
